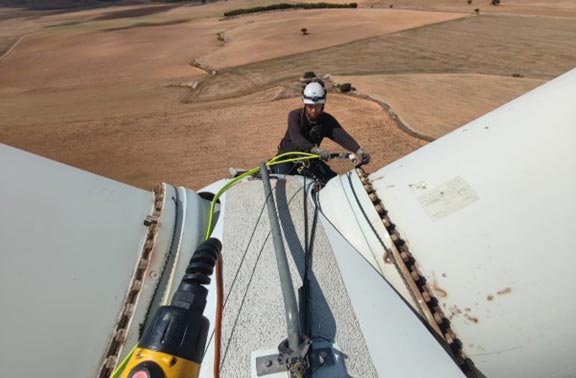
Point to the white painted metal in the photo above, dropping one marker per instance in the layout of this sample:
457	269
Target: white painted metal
488	213
146	303
70	241
357	220
399	343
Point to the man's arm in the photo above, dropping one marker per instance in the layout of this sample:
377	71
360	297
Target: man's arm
340	136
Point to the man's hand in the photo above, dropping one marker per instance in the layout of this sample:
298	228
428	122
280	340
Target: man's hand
363	157
324	155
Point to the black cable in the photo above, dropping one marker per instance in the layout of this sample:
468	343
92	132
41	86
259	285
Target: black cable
305	225
313	233
304	297
311	246
349	176
309	237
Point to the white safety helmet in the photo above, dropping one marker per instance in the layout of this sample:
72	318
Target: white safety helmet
314	93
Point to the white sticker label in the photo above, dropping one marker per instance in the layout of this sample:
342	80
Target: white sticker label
447	198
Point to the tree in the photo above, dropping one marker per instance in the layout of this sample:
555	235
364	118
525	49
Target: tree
346	87
304	31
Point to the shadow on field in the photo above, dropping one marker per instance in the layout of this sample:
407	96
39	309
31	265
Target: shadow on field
147	24
63	6
135	12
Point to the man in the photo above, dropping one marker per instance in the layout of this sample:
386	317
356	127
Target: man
307	127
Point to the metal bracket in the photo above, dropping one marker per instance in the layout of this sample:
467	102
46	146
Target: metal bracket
274	363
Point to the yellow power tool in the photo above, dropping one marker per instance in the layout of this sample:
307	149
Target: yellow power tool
172	346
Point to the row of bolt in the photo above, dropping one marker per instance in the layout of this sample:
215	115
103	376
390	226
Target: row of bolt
120	334
431	301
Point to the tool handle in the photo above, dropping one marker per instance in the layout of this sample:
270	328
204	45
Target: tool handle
341	155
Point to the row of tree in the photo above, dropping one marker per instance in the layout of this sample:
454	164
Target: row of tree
236	12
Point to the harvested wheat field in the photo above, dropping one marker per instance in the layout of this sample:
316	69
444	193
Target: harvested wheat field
459	98
271	35
559	8
149	92
195	148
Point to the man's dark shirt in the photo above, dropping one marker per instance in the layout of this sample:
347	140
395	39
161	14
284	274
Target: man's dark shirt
302	134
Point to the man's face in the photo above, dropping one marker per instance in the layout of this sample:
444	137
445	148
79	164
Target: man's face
313	111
